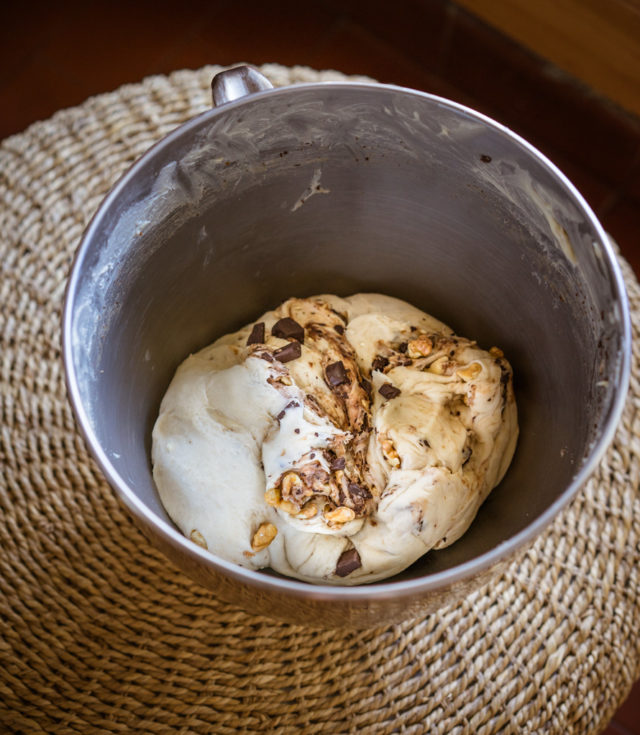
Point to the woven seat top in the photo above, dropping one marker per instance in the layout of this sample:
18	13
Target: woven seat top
100	633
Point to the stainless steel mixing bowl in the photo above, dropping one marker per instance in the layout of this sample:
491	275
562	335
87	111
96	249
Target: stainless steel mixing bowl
346	187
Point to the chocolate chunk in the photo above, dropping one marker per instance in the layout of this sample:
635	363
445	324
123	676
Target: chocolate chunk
403	347
359	491
257	334
280	416
366	386
335	374
338	463
339	328
288	328
388	391
289	352
265	356
379	363
348	562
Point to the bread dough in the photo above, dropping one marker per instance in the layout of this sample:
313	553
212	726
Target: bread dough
335	440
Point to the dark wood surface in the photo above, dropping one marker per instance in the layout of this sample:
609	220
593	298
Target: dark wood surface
55	55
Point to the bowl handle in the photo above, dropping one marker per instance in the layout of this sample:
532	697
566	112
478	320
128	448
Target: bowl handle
239	81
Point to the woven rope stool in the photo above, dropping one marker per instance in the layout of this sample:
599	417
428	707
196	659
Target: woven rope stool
99	633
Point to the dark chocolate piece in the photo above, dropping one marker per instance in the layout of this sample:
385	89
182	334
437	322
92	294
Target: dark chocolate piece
388	391
348	562
366	386
359	491
288	328
335	374
289	352
339	328
379	363
257	334
403	347
339	463
280	416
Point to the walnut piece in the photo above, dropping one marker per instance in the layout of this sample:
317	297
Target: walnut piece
272	497
309	511
439	366
263	536
290	483
389	451
470	372
420	347
198	538
341	514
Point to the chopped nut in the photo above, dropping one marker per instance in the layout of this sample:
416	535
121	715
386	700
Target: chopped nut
272	496
290	482
288	507
496	352
420	347
309	511
198	538
438	367
263	536
389	451
470	372
341	514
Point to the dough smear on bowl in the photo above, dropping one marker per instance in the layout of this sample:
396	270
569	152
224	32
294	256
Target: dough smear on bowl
335	440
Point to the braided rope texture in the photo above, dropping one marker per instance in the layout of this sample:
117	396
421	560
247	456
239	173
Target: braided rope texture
99	633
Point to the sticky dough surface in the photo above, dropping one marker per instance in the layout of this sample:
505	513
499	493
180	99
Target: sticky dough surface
342	465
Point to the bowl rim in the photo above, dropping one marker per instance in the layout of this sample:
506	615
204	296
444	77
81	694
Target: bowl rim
389	588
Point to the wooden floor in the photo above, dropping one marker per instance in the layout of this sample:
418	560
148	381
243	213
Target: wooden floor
54	55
